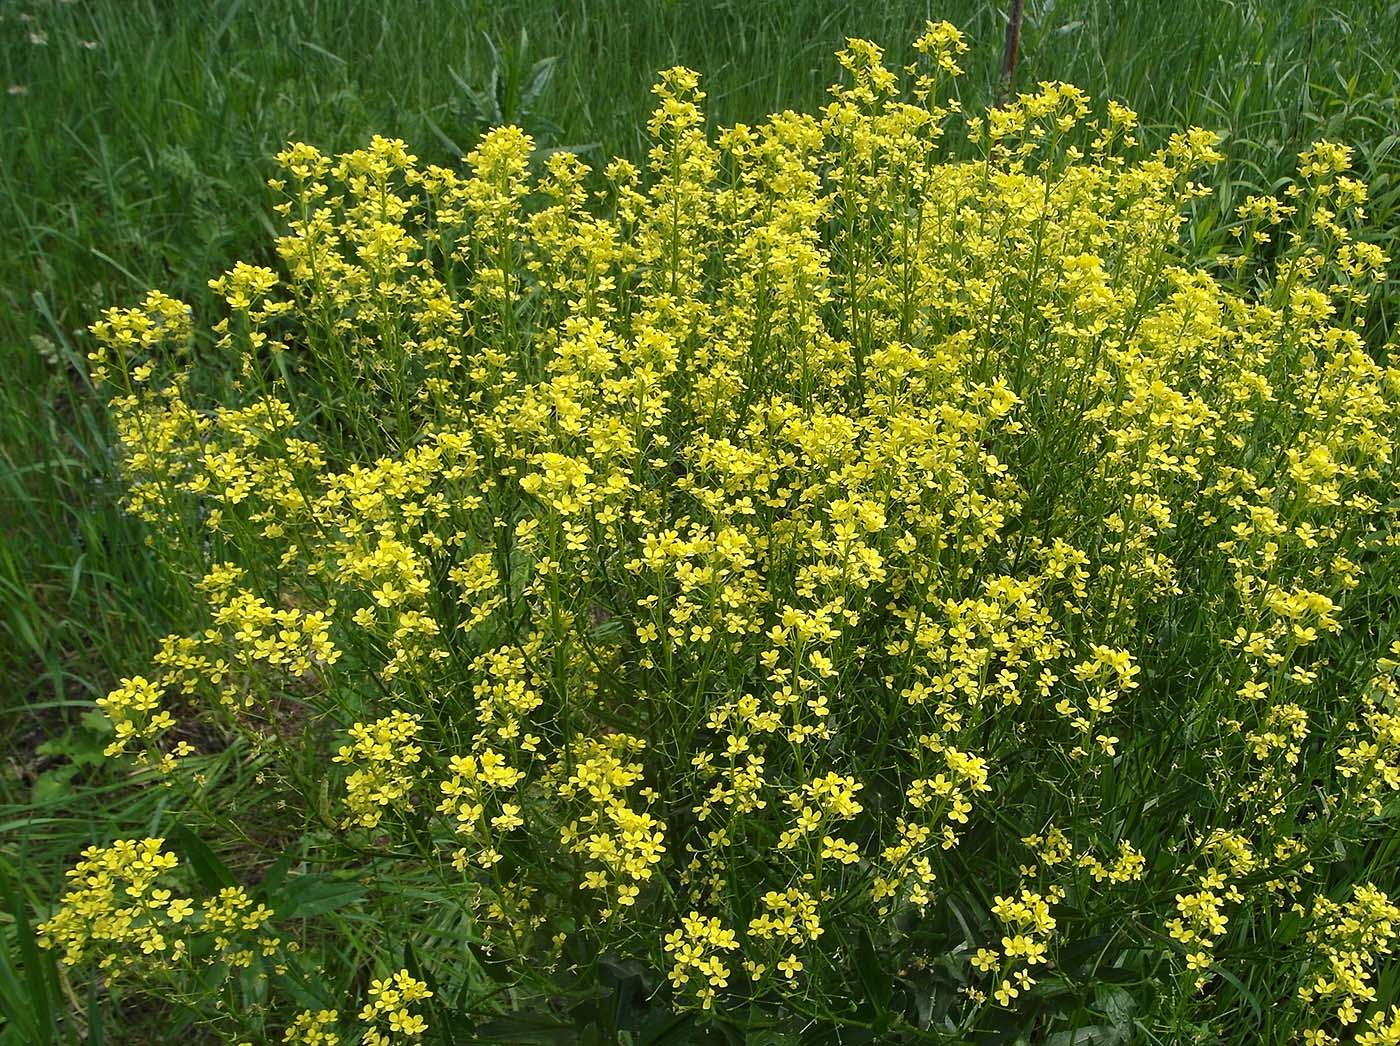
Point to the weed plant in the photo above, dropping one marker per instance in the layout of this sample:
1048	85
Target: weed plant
141	152
808	579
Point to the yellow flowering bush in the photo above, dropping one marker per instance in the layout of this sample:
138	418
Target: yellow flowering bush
857	569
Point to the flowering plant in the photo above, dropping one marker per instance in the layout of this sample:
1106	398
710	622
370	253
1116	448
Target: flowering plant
823	577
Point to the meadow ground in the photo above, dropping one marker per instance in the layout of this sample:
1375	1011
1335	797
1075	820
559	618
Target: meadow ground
139	136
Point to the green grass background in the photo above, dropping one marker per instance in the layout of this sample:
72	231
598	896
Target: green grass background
136	135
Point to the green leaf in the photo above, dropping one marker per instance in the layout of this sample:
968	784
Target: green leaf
40	989
304	896
664	1027
54	784
212	873
877	984
15	1007
97	1034
435	1001
275	876
526	1029
1090	1035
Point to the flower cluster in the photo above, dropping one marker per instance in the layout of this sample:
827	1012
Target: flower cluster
697	949
385	758
622	845
1027	929
139	722
1349	938
391	1004
116	911
118	914
313	1028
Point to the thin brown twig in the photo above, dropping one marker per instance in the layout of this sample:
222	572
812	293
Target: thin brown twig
1010	52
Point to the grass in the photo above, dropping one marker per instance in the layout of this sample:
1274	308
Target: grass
140	134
